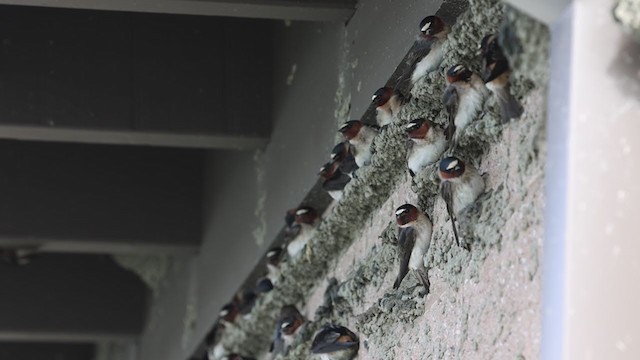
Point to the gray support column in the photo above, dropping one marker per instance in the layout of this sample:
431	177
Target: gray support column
314	10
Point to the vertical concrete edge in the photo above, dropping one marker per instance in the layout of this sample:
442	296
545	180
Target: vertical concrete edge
554	312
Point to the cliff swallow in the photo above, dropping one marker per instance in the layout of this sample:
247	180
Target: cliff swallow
335	342
288	326
463	99
428	53
460	186
414	238
274	257
496	77
361	137
388	102
343	155
18	256
215	349
246	302
264	285
229	313
307	218
427	142
333	180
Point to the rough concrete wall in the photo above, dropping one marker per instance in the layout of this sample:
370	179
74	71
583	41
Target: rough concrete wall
484	303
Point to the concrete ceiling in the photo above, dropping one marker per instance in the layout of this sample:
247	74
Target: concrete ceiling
313	10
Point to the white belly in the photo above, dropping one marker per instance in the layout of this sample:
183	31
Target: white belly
383	117
428	63
335	194
466	193
422	155
420	248
362	156
295	247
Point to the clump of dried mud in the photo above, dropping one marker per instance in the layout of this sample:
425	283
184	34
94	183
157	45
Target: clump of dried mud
483	303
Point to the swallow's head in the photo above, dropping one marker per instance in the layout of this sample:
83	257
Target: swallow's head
264	285
329	169
418	129
406	214
290	320
451	167
306	215
431	26
458	73
350	129
382	96
274	254
486	44
229	312
340	151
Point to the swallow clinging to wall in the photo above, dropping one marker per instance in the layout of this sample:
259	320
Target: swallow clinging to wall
414	238
307	219
463	98
343	154
496	73
428	52
460	186
335	342
274	258
333	180
229	313
288	326
360	136
426	143
388	102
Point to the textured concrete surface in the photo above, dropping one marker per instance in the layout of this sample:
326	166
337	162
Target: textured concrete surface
484	304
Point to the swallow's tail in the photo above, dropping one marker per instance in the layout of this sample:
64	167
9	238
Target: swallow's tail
510	108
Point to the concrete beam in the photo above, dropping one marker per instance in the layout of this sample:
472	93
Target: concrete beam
131	137
265	9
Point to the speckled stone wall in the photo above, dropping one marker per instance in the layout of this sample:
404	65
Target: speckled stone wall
484	304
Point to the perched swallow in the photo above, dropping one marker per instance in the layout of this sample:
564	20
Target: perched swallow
264	285
414	238
496	77
288	326
335	342
229	313
235	356
274	257
333	180
463	99
307	219
246	302
343	155
18	256
361	137
428	53
215	349
460	186
427	142
388	103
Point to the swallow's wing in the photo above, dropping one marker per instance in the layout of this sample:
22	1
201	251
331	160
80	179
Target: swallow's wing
446	190
332	339
495	69
406	240
277	345
450	101
348	165
337	182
